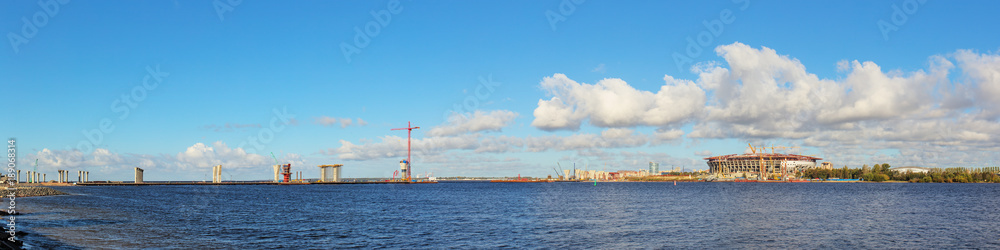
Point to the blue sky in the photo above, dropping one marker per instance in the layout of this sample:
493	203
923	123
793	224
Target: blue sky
236	66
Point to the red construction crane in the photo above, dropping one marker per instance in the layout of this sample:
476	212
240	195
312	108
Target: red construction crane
409	129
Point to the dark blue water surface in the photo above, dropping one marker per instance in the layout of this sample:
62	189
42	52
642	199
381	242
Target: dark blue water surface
520	215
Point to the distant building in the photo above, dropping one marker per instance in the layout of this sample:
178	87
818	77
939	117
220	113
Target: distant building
826	165
654	167
757	164
912	169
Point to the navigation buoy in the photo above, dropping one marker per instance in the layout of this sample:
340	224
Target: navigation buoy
675	183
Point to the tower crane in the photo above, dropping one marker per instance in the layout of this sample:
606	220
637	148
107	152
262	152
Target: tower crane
406	169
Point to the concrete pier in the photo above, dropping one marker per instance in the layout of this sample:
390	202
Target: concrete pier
138	175
277	172
217	174
329	173
63	176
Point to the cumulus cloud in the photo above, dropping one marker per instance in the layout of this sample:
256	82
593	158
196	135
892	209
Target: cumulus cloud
612	103
201	156
196	160
665	135
983	73
875	95
478	121
759	94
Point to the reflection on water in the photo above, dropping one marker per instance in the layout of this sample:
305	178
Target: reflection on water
533	215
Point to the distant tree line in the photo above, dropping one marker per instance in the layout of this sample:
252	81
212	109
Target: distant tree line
881	172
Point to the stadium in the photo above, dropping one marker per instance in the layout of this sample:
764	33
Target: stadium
753	164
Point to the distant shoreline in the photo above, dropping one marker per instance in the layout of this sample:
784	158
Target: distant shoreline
41	189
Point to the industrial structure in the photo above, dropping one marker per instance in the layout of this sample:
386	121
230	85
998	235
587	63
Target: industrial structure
329	173
404	169
82	176
277	173
217	174
138	175
404	166
283	172
759	164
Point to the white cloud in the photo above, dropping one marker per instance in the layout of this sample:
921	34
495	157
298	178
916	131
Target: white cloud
766	95
874	95
983	72
201	156
612	103
663	135
325	120
758	94
554	114
478	121
195	161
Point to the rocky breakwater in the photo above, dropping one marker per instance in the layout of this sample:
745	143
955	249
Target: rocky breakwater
24	191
